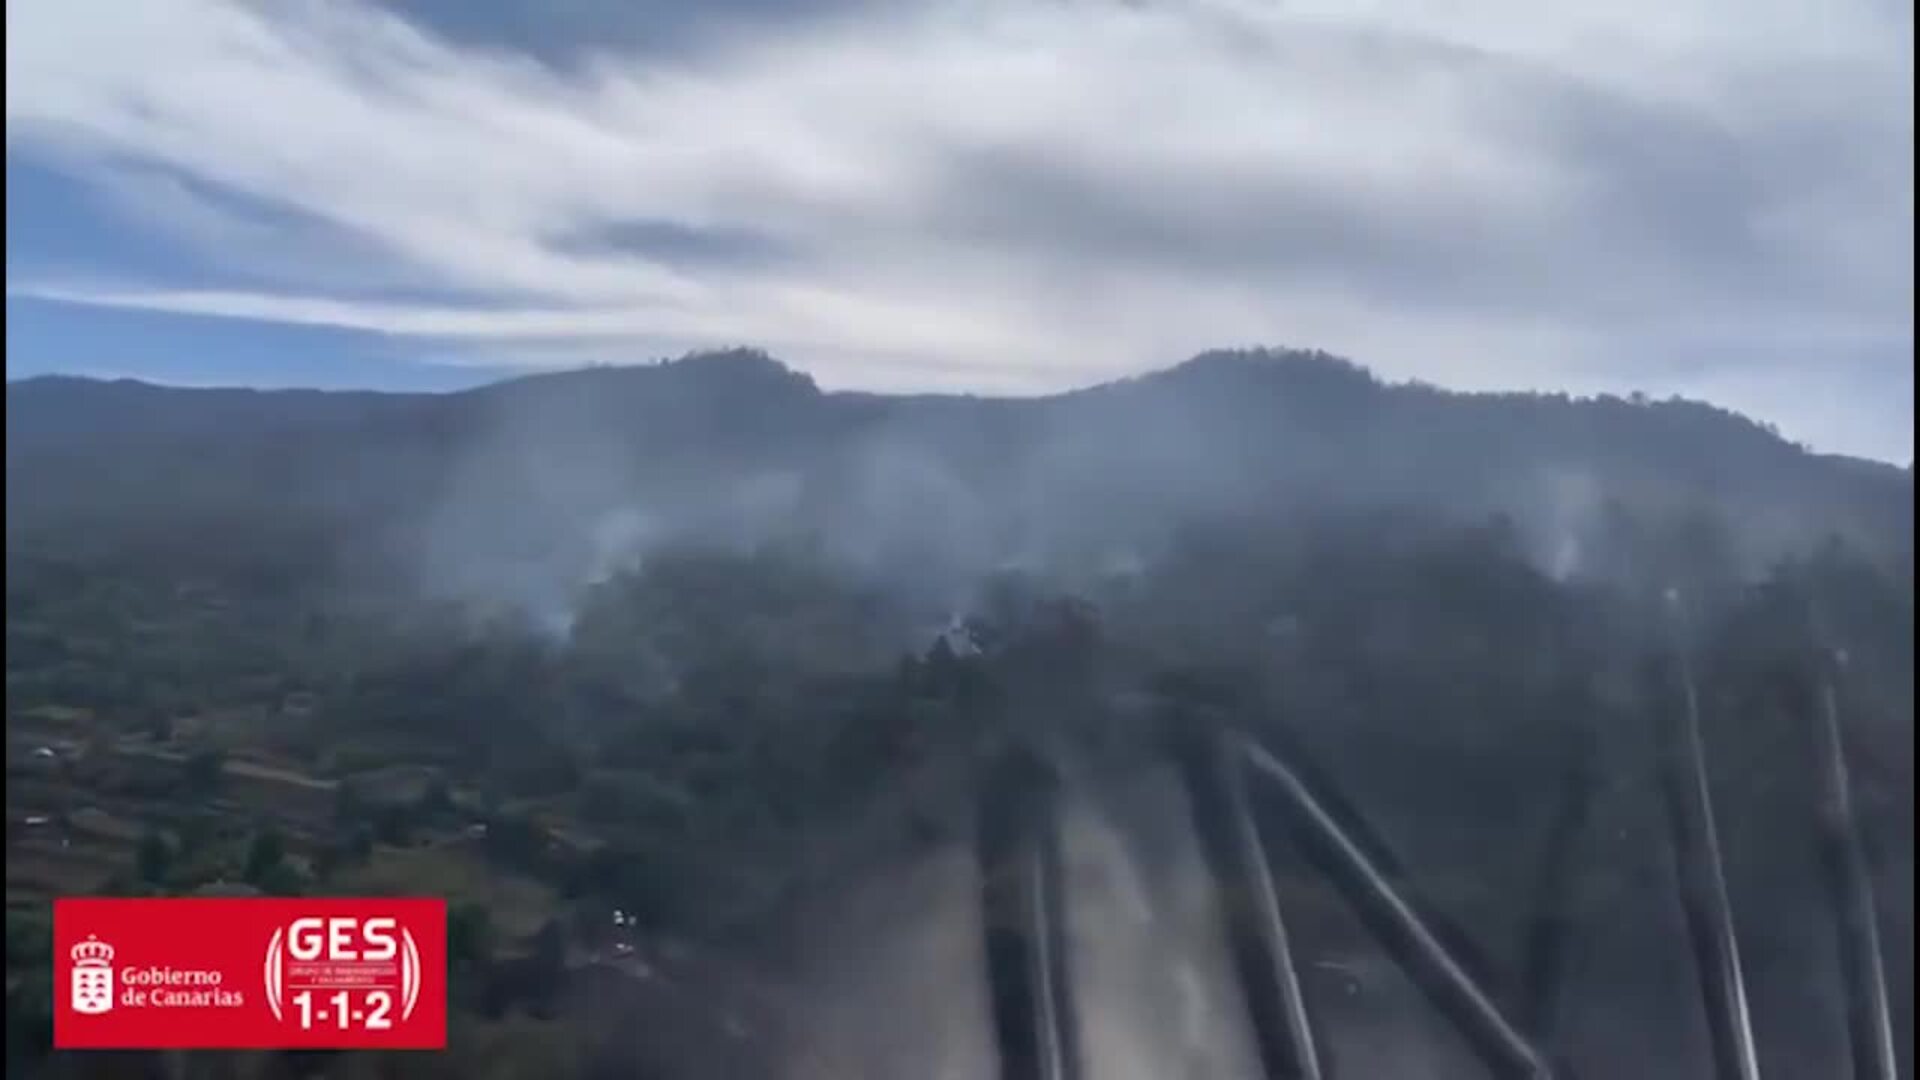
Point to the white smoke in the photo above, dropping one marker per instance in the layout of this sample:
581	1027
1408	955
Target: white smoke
1571	500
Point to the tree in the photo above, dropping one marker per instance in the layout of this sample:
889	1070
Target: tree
153	859
469	938
360	844
29	938
328	860
204	770
29	1018
265	856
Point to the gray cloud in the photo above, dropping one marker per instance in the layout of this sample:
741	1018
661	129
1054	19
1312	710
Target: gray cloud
674	242
1669	216
1022	196
573	33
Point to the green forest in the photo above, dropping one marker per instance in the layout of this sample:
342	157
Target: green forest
351	644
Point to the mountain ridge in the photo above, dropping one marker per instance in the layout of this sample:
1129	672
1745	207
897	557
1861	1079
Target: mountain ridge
751	366
535	479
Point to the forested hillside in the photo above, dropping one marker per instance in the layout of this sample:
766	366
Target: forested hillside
695	641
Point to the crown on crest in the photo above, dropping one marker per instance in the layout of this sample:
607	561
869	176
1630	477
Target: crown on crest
92	952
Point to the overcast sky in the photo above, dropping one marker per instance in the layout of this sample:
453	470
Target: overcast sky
1706	197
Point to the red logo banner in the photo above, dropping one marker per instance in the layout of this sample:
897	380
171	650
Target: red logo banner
251	973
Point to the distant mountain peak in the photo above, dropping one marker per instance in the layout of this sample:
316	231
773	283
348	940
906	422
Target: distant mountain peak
1306	369
1271	359
742	366
737	373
